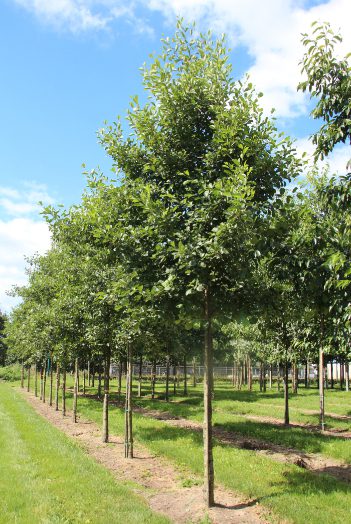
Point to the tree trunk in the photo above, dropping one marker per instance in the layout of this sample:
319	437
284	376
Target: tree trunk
174	380
185	392
332	374
105	428
306	374
119	379
341	374
75	391
233	374
22	375
36	379
249	373
208	380
153	379
261	376
279	377
99	382
347	376
140	378
57	386
286	394
321	388
51	381
64	392
44	382
41	382
84	382
89	379
167	379
129	403
270	376
93	377
28	379
194	372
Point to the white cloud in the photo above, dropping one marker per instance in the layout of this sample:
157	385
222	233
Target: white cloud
270	30
336	160
22	233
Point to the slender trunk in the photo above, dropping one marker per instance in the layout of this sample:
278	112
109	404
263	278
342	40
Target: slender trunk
75	391
84	382
249	372
36	379
321	387
194	372
22	375
119	379
153	379
51	380
93	377
264	378
270	376
130	408
167	380
306	374
286	394
174	380
347	376
261	376
332	374
57	386
28	379
296	380
341	374
185	379
41	382
233	374
279	377
64	392
89	379
126	420
99	382
208	381
140	375
44	382
105	428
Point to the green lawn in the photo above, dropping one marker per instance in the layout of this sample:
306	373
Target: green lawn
288	491
46	478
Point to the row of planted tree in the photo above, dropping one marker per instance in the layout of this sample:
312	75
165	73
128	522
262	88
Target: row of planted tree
201	243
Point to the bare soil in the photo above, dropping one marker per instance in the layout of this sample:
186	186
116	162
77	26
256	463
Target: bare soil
154	478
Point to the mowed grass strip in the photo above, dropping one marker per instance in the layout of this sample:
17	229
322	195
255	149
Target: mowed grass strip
45	477
288	491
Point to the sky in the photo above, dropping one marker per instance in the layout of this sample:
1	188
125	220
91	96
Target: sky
68	66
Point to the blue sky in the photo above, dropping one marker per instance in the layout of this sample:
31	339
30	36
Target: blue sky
69	65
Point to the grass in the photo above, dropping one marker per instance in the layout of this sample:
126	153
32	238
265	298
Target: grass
286	490
47	478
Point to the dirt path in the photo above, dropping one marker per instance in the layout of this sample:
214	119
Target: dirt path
158	481
316	463
337	433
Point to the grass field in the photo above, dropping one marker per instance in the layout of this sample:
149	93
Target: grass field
46	478
288	491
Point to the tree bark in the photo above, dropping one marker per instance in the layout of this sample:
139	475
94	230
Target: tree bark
28	379
119	379
22	375
306	374
89	378
35	379
44	382
153	379
84	382
41	382
57	386
167	379
321	388
194	372
249	373
140	375
75	391
105	428
51	381
64	392
99	382
185	392
286	394
208	381
347	376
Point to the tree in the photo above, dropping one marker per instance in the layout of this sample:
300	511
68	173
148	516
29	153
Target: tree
207	164
328	80
3	346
